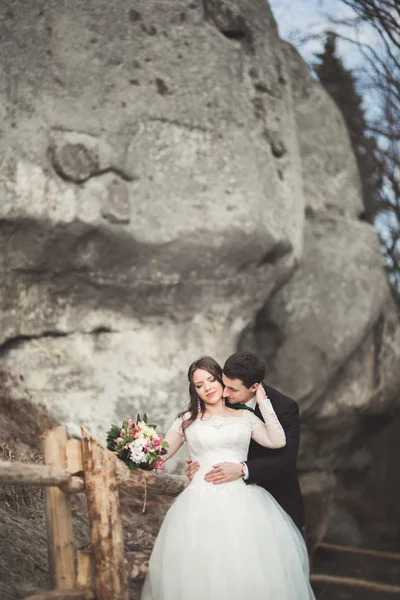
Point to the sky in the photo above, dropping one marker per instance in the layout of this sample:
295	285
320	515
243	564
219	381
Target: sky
298	18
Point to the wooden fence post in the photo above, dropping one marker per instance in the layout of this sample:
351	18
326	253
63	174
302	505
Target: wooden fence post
59	516
109	565
84	578
74	457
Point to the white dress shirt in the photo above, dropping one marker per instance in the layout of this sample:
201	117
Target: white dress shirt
252	403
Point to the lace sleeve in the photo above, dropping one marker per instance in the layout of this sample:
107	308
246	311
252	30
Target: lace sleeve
269	434
175	437
176	427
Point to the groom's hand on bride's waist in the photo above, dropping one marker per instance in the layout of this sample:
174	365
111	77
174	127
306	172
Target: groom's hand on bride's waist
224	472
191	469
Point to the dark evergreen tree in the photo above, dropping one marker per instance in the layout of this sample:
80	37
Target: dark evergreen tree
341	85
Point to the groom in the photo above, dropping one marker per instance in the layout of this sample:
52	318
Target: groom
274	470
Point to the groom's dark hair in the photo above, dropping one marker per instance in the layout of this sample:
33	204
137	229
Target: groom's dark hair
246	366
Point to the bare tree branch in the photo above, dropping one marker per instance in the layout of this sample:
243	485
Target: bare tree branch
381	74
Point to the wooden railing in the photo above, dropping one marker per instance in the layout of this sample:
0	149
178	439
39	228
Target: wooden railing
357	582
72	466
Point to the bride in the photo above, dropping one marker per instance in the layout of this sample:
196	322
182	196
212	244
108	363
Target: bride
231	541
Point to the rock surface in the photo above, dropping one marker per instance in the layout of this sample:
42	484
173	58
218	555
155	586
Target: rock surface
330	175
172	183
150	199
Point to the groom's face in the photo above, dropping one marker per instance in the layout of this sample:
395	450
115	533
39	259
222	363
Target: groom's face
236	392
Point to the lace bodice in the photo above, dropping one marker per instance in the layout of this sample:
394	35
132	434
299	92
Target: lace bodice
219	439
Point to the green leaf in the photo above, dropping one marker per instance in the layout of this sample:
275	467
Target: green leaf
112	434
114	431
124	455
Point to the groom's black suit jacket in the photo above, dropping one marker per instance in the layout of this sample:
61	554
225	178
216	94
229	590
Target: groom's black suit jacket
275	470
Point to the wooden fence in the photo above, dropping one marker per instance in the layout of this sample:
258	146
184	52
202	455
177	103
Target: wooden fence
72	466
357	582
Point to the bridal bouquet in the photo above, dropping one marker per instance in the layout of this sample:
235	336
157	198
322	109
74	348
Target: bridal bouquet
137	444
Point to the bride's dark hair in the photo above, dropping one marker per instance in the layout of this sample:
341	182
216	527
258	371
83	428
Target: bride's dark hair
208	364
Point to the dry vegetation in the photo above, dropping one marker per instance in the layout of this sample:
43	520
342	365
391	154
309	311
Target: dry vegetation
23	539
23	546
23	549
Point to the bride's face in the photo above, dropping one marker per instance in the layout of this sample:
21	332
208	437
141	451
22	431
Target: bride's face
207	387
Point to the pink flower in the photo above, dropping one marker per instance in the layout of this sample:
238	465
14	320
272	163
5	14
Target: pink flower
131	423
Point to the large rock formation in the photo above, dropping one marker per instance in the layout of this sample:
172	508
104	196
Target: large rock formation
164	168
151	196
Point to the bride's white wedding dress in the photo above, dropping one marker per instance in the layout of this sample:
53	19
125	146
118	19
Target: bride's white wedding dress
230	541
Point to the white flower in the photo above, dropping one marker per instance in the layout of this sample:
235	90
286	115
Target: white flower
136	450
137	456
146	430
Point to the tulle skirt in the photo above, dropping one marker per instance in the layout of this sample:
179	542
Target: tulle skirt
228	542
